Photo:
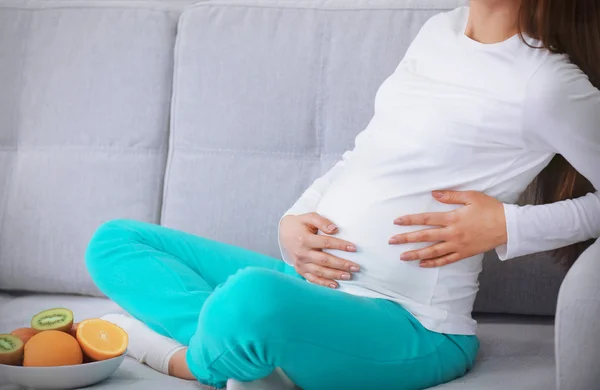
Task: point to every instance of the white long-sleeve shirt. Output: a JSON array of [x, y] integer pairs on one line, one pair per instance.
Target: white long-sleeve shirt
[[461, 115]]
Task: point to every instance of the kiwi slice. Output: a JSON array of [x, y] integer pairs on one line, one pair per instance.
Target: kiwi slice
[[11, 350], [53, 319]]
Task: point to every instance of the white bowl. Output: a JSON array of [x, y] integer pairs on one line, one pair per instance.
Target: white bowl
[[63, 377]]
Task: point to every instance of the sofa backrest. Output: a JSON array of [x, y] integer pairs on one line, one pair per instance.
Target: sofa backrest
[[266, 96], [85, 93], [269, 94]]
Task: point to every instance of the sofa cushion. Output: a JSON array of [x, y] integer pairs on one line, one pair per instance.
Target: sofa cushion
[[84, 108], [267, 96], [516, 352]]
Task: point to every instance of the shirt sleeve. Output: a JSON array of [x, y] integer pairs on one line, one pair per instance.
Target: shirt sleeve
[[561, 116], [533, 229]]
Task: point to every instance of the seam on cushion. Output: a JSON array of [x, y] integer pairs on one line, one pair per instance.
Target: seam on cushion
[[157, 6], [6, 193], [93, 148], [179, 36], [322, 129], [13, 166], [202, 150], [158, 209], [319, 100], [213, 4]]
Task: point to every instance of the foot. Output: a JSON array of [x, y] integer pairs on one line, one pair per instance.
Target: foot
[[145, 345]]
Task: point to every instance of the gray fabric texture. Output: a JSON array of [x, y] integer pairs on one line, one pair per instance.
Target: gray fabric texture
[[268, 95], [525, 285], [577, 329], [84, 108], [516, 352]]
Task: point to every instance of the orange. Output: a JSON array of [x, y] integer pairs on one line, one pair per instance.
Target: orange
[[73, 331], [101, 340], [24, 334], [52, 348]]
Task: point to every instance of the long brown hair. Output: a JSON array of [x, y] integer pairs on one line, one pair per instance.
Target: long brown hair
[[570, 27]]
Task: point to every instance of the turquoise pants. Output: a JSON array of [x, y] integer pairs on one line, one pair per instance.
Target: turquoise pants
[[242, 314]]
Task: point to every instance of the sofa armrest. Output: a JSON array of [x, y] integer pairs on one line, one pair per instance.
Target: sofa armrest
[[578, 324]]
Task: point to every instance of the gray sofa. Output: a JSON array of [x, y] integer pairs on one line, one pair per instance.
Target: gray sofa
[[212, 118]]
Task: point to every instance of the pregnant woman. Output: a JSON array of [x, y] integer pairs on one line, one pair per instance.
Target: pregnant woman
[[483, 101]]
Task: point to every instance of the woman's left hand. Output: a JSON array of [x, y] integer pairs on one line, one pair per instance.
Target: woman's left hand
[[476, 228]]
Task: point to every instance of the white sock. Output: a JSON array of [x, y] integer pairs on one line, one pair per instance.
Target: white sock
[[145, 345]]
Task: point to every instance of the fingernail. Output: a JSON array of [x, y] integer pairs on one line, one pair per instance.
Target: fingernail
[[405, 256], [332, 227], [424, 264], [437, 194], [346, 276], [399, 221], [354, 268], [333, 286], [393, 241], [351, 248]]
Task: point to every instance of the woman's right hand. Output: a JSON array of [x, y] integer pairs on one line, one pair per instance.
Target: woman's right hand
[[298, 236]]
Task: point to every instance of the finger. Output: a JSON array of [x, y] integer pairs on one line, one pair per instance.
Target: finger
[[441, 261], [333, 262], [327, 242], [426, 235], [319, 222], [431, 252], [327, 273], [455, 197], [320, 281], [427, 219]]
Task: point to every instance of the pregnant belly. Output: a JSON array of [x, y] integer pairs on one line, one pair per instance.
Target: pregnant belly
[[366, 218]]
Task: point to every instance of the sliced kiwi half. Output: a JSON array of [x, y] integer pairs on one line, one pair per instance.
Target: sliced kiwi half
[[11, 350], [53, 319]]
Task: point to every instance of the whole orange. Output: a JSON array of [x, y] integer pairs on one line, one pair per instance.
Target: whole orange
[[52, 348], [24, 334]]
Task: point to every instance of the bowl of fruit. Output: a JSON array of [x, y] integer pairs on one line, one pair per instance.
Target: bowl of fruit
[[56, 353]]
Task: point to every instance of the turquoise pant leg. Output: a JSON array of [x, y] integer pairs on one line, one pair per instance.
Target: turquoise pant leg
[[266, 316], [321, 338], [163, 276]]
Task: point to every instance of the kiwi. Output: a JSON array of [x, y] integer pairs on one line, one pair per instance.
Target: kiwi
[[11, 350], [53, 319]]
